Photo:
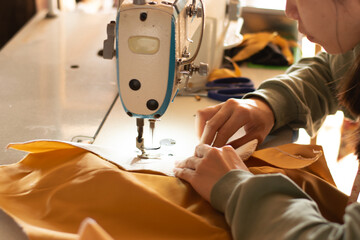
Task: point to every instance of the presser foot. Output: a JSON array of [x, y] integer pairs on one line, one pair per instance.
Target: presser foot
[[149, 155], [163, 151], [145, 152]]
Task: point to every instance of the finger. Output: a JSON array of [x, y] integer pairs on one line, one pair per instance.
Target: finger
[[191, 162], [201, 150], [234, 123], [212, 126], [231, 154], [203, 116], [185, 173]]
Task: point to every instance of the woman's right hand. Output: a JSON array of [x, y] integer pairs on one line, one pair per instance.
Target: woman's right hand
[[216, 124]]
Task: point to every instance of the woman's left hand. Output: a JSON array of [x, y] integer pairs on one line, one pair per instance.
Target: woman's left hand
[[207, 166]]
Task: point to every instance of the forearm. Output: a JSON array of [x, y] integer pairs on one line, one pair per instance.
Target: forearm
[[273, 207], [302, 97]]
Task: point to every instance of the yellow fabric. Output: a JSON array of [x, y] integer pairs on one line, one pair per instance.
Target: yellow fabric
[[218, 73], [306, 166], [57, 186], [51, 192], [255, 42], [91, 230]]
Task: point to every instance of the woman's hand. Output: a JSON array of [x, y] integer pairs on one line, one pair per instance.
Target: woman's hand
[[216, 124], [207, 166]]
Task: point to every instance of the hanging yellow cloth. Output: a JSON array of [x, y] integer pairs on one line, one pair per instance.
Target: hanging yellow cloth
[[57, 187]]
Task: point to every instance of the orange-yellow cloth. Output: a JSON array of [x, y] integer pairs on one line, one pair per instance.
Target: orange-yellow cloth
[[57, 186], [52, 191], [306, 166], [218, 73]]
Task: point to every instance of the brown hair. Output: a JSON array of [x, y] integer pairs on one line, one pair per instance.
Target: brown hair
[[349, 96]]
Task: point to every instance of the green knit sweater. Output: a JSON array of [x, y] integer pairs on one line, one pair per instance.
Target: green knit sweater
[[272, 206], [307, 92]]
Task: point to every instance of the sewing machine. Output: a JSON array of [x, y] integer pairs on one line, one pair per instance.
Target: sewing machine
[[158, 50]]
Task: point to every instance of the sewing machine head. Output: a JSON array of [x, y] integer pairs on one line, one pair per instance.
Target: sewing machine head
[[152, 53], [155, 51]]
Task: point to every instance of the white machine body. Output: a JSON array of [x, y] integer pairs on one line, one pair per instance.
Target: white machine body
[[148, 49], [145, 58]]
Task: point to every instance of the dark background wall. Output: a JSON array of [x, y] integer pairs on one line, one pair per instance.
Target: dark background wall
[[13, 15]]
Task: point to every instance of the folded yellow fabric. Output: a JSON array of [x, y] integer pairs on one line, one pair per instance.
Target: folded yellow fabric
[[306, 166], [57, 187]]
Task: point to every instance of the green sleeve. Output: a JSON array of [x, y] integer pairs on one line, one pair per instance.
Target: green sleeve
[[307, 92], [272, 207]]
